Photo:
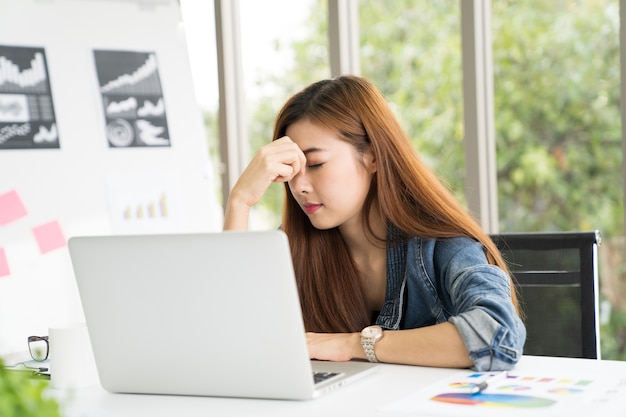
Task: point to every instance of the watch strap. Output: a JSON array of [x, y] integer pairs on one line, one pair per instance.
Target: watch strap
[[369, 336], [368, 348]]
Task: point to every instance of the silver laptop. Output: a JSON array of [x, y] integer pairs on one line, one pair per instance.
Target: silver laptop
[[213, 314]]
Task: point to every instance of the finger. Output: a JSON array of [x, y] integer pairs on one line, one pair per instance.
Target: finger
[[284, 173], [289, 163], [300, 164], [302, 161]]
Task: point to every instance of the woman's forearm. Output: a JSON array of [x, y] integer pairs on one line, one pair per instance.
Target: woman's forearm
[[236, 214], [439, 345]]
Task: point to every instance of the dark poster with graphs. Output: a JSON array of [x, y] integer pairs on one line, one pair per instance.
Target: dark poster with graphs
[[27, 119], [132, 99]]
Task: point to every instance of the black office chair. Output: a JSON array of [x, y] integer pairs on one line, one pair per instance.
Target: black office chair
[[557, 280]]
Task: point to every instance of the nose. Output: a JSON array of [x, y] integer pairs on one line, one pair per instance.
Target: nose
[[300, 183]]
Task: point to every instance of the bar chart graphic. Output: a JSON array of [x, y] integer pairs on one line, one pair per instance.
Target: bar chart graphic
[[144, 203], [151, 209], [27, 119], [133, 104]]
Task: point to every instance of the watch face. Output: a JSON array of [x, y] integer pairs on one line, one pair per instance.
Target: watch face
[[372, 331]]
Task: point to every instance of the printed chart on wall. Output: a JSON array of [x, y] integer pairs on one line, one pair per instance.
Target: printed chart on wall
[[518, 394], [144, 203], [27, 119], [132, 99]]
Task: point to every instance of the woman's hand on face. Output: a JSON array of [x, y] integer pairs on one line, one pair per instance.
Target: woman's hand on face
[[278, 161], [338, 347]]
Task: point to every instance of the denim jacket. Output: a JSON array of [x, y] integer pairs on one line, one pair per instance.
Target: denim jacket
[[431, 281]]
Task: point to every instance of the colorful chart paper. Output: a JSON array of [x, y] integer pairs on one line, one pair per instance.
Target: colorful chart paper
[[494, 400], [517, 394]]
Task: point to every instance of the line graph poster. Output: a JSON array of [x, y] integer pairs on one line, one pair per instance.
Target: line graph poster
[[27, 119], [132, 99]]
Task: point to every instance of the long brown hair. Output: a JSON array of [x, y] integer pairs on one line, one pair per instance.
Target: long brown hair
[[408, 194]]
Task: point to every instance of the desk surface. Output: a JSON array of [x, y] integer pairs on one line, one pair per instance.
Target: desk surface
[[372, 395]]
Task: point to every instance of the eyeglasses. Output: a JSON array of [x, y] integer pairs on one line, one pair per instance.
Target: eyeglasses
[[38, 347]]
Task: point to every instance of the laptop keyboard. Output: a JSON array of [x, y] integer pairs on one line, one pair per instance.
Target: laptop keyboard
[[319, 376]]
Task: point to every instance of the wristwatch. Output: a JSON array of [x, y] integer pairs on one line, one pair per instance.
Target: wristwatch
[[369, 336]]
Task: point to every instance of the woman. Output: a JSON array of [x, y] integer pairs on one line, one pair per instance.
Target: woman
[[376, 239]]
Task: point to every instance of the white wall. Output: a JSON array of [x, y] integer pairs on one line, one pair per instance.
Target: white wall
[[84, 185]]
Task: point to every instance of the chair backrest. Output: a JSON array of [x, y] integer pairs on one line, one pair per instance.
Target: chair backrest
[[557, 279]]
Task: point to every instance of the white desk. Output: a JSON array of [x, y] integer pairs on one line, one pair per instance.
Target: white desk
[[366, 397]]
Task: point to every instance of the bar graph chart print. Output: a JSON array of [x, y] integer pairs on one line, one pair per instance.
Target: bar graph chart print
[[144, 203], [27, 119], [132, 99]]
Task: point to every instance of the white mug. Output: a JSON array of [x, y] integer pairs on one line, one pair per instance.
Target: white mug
[[72, 364]]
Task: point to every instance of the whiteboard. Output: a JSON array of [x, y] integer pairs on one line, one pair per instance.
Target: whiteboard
[[80, 156]]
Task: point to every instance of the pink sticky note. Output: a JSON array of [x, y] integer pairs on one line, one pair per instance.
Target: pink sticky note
[[49, 236], [4, 264], [11, 207]]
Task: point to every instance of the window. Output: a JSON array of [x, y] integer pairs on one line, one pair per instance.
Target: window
[[411, 50], [559, 140], [199, 26], [556, 77], [282, 53]]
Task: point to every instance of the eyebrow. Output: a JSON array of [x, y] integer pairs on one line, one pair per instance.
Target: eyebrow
[[311, 150]]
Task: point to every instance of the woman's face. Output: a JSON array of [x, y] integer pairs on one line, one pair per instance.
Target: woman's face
[[336, 180]]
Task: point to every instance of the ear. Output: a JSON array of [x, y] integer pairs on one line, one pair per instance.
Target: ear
[[369, 160]]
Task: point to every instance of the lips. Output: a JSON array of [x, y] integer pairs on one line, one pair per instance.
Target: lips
[[310, 208]]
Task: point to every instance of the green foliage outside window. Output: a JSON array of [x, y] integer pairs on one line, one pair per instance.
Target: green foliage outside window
[[557, 92]]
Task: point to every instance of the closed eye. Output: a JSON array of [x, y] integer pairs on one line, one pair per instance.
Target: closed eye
[[315, 166]]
